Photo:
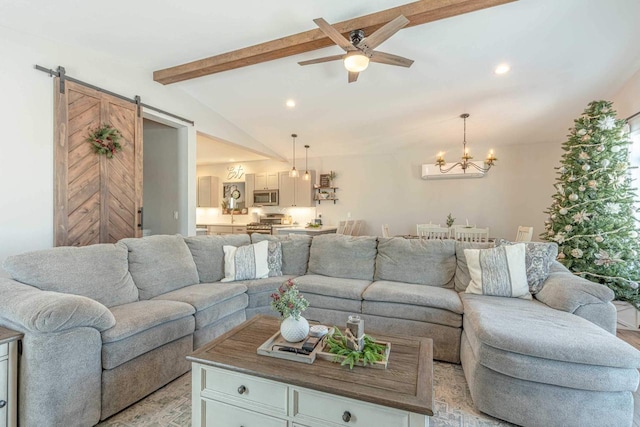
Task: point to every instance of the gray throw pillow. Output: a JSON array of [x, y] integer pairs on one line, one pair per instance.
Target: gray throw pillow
[[538, 258]]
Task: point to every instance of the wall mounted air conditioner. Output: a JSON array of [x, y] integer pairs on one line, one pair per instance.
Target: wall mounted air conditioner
[[433, 172]]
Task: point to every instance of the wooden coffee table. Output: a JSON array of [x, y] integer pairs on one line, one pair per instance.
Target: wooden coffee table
[[233, 385]]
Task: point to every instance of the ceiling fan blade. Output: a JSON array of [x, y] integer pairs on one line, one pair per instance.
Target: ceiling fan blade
[[321, 60], [379, 36], [353, 76], [334, 35], [390, 59]]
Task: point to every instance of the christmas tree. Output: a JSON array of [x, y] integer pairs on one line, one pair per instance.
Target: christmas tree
[[592, 216]]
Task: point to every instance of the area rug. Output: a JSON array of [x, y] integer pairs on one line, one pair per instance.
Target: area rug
[[171, 405]]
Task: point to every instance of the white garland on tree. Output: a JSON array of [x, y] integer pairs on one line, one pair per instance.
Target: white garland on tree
[[592, 215]]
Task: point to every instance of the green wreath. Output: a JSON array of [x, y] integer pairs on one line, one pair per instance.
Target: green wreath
[[105, 140]]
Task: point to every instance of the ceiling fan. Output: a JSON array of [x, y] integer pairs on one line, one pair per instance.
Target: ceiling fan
[[360, 49]]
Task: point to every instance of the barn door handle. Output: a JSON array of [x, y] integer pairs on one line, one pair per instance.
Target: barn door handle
[[141, 220]]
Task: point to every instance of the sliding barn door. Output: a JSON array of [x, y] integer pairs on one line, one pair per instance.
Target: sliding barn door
[[97, 200]]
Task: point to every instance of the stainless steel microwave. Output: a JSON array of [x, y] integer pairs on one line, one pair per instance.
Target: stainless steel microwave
[[265, 198]]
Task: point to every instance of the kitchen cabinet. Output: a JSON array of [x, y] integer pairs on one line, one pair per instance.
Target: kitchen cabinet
[[222, 229], [208, 192], [249, 186], [296, 192], [266, 181]]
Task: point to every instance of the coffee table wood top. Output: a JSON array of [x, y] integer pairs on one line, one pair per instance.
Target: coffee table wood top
[[7, 335], [406, 384]]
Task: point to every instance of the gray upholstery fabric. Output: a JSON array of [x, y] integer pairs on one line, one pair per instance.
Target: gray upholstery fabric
[[204, 295], [568, 292], [462, 277], [270, 284], [333, 303], [262, 299], [332, 286], [412, 312], [160, 264], [208, 333], [533, 329], [347, 257], [557, 267], [295, 251], [208, 254], [30, 309], [406, 293], [530, 403], [212, 314], [118, 352], [99, 272], [425, 262], [135, 379], [59, 381], [603, 315], [251, 312], [547, 371], [139, 316]]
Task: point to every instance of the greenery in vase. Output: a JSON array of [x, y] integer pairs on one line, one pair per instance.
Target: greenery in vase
[[370, 354], [288, 301], [592, 216], [450, 220]]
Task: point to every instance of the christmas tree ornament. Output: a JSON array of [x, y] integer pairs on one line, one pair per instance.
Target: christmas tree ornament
[[595, 221]]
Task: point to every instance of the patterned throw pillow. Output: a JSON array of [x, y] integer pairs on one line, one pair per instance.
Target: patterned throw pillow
[[498, 271], [538, 257], [274, 259], [246, 262]]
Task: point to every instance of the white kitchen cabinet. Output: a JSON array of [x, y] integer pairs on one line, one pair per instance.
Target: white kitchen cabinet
[[266, 181], [287, 190], [221, 229], [296, 192], [208, 192], [249, 187]]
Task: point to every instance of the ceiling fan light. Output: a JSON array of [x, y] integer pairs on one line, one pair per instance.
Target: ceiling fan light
[[356, 62]]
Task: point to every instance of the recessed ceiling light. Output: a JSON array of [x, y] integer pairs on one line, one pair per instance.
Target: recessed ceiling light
[[502, 69], [290, 103]]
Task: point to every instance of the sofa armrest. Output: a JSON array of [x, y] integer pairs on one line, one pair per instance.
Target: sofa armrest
[[29, 309], [567, 292]]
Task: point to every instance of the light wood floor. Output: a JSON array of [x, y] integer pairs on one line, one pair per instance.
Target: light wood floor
[[633, 338]]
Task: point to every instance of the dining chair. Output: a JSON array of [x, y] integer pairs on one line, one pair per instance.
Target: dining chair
[[432, 233], [348, 227], [524, 234], [421, 227], [454, 227], [472, 234], [357, 227], [341, 225], [385, 230]]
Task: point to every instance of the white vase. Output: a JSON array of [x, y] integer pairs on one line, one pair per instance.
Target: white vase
[[294, 330]]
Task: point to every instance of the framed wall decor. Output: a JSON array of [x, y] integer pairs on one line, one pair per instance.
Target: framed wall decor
[[325, 180]]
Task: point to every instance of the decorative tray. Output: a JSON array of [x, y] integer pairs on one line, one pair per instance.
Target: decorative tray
[[272, 346], [332, 357]]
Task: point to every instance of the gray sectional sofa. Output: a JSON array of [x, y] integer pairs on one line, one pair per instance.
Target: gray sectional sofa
[[105, 325]]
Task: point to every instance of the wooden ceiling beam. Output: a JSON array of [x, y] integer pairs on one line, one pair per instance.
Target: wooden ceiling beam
[[418, 13]]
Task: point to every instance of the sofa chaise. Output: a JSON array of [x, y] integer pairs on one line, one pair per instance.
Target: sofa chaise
[[107, 324]]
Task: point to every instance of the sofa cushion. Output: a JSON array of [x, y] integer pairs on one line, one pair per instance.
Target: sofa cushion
[[246, 262], [228, 307], [270, 284], [411, 294], [295, 251], [160, 264], [533, 329], [538, 258], [462, 277], [498, 271], [144, 326], [99, 272], [208, 254], [420, 261], [332, 286], [420, 313], [348, 257], [204, 295]]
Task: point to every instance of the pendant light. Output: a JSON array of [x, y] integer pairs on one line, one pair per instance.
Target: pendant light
[[307, 175], [293, 173]]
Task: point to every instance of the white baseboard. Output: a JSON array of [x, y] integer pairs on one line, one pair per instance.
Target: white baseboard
[[628, 316]]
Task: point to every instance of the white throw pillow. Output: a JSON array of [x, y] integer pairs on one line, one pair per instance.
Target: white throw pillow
[[246, 262], [498, 271]]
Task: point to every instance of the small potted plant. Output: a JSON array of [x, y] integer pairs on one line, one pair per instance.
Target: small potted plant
[[450, 220], [290, 304]]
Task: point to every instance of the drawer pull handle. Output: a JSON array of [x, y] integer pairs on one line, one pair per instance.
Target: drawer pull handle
[[346, 417], [242, 389], [3, 403]]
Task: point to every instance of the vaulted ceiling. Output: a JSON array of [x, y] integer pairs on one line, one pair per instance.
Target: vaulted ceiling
[[562, 53]]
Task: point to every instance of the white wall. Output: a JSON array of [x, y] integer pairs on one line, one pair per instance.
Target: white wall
[[163, 194], [627, 101], [26, 112]]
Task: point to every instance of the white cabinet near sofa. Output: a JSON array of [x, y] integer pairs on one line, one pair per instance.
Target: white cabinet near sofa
[[8, 377]]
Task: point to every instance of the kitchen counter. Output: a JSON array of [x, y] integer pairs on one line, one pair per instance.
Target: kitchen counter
[[325, 229]]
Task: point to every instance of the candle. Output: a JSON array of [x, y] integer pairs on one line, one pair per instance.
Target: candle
[[467, 222]]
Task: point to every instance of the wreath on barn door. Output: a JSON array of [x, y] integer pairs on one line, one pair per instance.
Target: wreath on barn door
[[105, 140]]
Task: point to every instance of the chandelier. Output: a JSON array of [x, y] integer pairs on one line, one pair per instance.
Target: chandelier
[[466, 162]]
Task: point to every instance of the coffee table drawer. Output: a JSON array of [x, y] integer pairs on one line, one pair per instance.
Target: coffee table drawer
[[244, 390], [218, 414], [4, 349], [310, 407]]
